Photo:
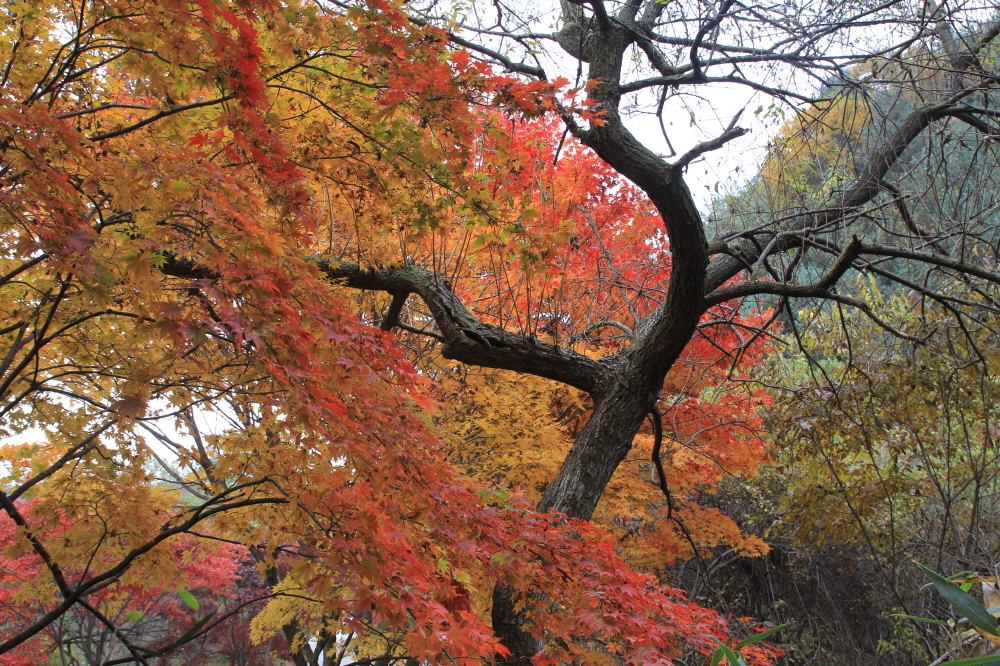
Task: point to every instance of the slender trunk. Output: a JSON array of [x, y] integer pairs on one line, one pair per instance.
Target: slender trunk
[[635, 375], [598, 450], [605, 441]]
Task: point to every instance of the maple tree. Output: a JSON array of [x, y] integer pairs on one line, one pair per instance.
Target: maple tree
[[858, 222], [514, 430], [179, 365], [206, 577]]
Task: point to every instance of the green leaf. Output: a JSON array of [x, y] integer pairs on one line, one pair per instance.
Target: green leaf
[[503, 557], [188, 598], [963, 602], [921, 619], [759, 637], [991, 659], [135, 616], [734, 658]]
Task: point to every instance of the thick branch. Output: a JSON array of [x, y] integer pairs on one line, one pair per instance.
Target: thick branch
[[391, 318], [819, 288], [853, 250], [706, 28], [466, 338], [869, 182]]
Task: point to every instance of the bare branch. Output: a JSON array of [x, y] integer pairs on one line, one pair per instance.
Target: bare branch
[[708, 146], [819, 288]]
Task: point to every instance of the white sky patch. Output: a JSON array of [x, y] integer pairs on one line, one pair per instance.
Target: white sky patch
[[695, 113]]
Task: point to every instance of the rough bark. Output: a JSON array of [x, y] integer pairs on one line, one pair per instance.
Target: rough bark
[[637, 374], [468, 339], [508, 626]]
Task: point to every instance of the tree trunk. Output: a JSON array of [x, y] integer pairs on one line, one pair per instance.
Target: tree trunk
[[508, 625], [635, 375], [598, 450]]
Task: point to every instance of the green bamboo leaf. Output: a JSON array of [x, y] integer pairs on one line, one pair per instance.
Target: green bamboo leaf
[[759, 637], [963, 602], [991, 659], [734, 658], [920, 619]]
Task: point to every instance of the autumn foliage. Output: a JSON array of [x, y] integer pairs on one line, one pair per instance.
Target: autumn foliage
[[134, 607], [582, 262], [178, 371]]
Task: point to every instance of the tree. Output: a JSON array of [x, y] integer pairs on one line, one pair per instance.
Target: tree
[[893, 458], [514, 430], [689, 46], [207, 576], [179, 366], [844, 517]]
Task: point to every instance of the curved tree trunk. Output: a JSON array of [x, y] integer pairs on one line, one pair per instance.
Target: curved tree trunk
[[637, 374], [626, 385]]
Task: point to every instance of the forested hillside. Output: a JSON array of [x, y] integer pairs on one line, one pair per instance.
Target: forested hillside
[[883, 424]]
